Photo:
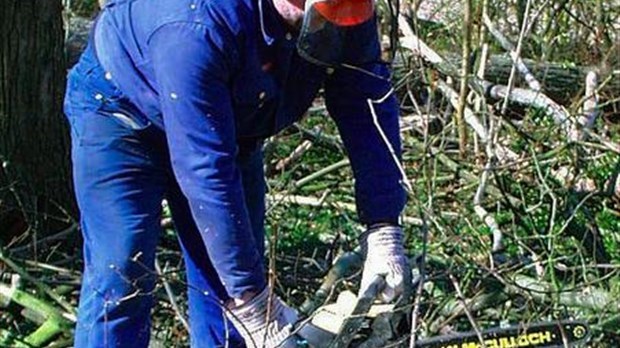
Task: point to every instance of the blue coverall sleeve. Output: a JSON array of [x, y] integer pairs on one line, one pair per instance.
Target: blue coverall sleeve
[[192, 65], [379, 194]]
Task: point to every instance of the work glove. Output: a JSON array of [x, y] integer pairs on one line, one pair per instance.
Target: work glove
[[258, 331], [382, 245]]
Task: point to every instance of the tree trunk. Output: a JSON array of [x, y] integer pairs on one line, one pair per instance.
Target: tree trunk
[[34, 146]]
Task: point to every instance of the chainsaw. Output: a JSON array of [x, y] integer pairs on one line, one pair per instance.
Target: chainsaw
[[336, 325]]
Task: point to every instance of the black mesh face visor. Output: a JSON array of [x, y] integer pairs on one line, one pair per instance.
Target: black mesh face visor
[[336, 32]]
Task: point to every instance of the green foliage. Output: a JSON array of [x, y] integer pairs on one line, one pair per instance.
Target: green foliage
[[602, 168], [303, 230], [608, 221]]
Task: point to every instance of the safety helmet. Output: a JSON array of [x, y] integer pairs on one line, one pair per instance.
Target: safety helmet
[[334, 32]]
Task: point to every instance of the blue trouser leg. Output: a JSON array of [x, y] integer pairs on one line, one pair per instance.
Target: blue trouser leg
[[120, 181], [119, 187]]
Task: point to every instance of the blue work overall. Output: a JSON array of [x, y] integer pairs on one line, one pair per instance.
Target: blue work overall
[[172, 99]]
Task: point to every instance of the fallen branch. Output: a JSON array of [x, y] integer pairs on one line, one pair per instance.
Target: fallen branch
[[488, 219], [412, 42], [461, 300], [591, 298], [43, 242], [40, 285], [529, 98], [517, 95], [54, 322], [278, 198]]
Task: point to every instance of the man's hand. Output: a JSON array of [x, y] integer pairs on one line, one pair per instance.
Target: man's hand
[[260, 331], [385, 256]]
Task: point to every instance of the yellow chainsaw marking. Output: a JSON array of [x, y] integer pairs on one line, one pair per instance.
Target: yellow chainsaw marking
[[519, 341]]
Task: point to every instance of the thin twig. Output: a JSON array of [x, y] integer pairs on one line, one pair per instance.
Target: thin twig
[[465, 65], [461, 299], [320, 173], [171, 296], [478, 208], [388, 144], [516, 55], [516, 58], [418, 296]]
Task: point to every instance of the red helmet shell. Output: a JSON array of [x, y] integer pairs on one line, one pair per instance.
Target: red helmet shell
[[345, 12]]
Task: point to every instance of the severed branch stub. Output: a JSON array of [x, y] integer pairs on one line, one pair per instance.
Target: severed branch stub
[[590, 110]]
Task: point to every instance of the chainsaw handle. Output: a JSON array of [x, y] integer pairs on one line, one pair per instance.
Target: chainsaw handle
[[351, 326]]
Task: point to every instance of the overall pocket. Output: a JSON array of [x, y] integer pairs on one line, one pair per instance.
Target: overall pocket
[[96, 109]]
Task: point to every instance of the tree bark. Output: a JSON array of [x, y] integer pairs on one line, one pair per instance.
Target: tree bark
[[34, 144]]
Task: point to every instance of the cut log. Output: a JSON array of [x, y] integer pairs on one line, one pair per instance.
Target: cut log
[[563, 83]]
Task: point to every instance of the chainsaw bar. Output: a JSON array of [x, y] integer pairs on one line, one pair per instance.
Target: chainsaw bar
[[539, 335]]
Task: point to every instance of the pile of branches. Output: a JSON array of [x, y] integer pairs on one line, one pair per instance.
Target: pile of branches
[[512, 170]]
